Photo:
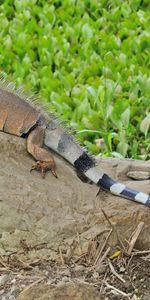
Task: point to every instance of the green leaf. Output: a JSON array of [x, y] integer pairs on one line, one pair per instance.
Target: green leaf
[[122, 148], [90, 60], [145, 124], [125, 117], [87, 31]]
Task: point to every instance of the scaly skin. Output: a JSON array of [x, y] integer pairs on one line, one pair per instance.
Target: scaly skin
[[20, 117]]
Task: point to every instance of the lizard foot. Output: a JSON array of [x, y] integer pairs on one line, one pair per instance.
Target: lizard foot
[[43, 167]]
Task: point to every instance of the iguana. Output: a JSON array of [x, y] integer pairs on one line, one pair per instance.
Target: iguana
[[19, 115]]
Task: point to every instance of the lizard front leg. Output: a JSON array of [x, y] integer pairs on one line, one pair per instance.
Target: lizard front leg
[[45, 161]]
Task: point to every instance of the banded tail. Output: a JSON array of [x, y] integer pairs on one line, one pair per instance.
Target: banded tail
[[64, 144]]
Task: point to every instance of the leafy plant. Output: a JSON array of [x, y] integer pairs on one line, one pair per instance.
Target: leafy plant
[[90, 61]]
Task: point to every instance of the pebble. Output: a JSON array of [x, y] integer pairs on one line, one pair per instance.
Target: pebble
[[2, 291], [79, 268], [122, 269], [3, 279], [11, 297], [138, 175], [65, 279], [95, 275], [101, 269], [65, 272], [13, 280]]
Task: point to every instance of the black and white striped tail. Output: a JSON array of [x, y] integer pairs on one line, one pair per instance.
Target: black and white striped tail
[[64, 144], [86, 165]]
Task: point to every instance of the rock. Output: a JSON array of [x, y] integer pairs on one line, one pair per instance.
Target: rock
[[3, 279], [60, 221], [69, 291], [65, 279], [79, 268], [95, 275], [37, 216], [138, 175]]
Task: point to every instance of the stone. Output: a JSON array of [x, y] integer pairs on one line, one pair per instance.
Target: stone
[[48, 213], [68, 291]]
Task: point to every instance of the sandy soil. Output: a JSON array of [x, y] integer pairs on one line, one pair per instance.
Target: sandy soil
[[59, 241]]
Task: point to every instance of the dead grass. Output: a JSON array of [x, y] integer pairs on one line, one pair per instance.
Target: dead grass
[[121, 274]]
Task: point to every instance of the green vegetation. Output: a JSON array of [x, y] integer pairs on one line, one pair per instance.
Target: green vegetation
[[90, 60]]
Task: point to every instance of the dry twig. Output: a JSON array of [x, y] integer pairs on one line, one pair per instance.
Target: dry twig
[[103, 257], [114, 272], [134, 237], [114, 229], [116, 290], [31, 285], [61, 256], [99, 252]]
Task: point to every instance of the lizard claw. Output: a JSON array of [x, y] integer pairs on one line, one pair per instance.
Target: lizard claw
[[98, 192], [54, 173], [43, 167]]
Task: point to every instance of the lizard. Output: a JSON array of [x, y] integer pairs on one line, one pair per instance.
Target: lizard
[[21, 116]]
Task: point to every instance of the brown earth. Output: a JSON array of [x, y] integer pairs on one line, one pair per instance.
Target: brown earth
[[55, 231]]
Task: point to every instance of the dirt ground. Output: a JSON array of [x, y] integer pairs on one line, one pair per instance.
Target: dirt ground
[[59, 241]]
